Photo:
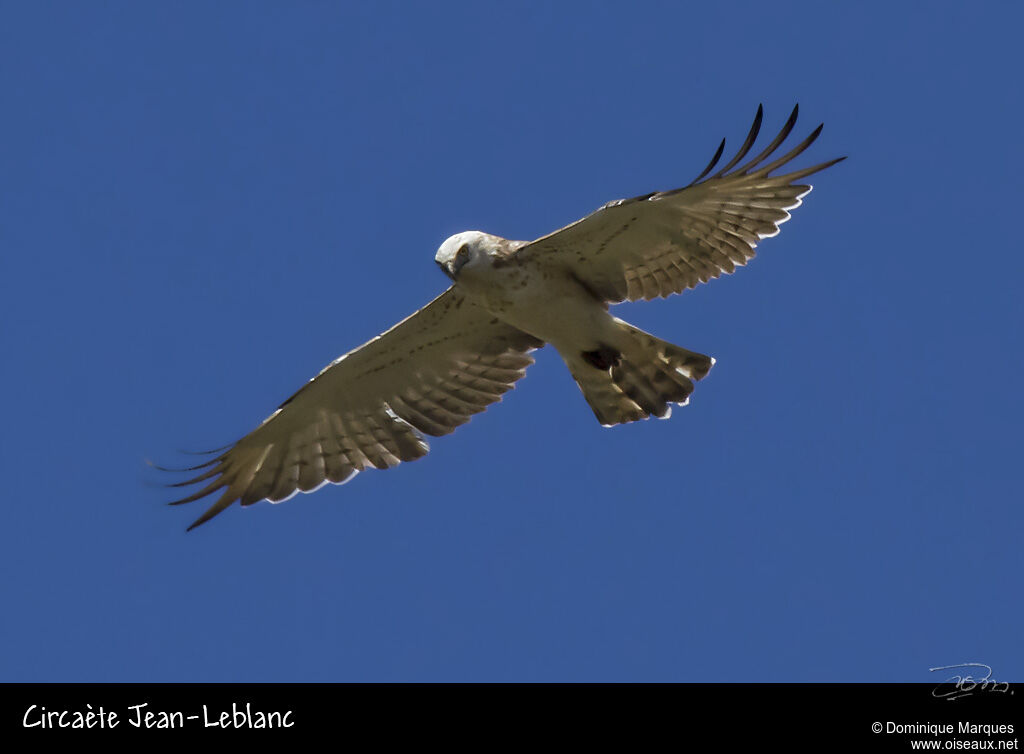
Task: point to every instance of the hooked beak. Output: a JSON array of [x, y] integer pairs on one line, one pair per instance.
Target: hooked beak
[[446, 271]]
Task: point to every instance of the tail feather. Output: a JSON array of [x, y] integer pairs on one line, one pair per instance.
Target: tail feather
[[638, 380]]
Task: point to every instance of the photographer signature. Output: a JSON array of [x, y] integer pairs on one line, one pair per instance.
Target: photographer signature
[[958, 686]]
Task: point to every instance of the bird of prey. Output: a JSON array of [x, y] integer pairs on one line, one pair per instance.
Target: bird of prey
[[457, 355]]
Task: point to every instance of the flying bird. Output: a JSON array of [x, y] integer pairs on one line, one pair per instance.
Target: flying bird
[[457, 355]]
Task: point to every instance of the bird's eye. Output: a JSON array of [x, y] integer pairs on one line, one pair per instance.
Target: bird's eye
[[463, 251]]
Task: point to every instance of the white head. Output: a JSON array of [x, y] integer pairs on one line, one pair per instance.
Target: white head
[[469, 249]]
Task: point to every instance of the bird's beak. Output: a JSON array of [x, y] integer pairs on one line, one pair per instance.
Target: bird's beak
[[445, 269]]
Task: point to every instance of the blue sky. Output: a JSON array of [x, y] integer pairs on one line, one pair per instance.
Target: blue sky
[[203, 204]]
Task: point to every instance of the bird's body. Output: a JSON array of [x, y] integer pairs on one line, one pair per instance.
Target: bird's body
[[429, 373], [624, 373], [555, 308]]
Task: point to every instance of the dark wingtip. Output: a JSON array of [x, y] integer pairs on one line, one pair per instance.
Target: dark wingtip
[[714, 161], [222, 504], [765, 170], [830, 163], [206, 452], [755, 129], [212, 487], [189, 499], [798, 174], [781, 137], [179, 469]]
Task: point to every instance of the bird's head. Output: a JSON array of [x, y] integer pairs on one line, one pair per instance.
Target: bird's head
[[467, 250]]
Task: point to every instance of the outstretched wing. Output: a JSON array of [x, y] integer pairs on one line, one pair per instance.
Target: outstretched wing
[[665, 242], [428, 374]]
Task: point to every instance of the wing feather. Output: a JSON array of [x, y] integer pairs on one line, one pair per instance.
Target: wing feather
[[662, 243], [755, 129], [371, 408]]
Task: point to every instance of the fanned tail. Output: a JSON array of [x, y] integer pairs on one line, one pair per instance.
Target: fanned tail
[[639, 380]]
